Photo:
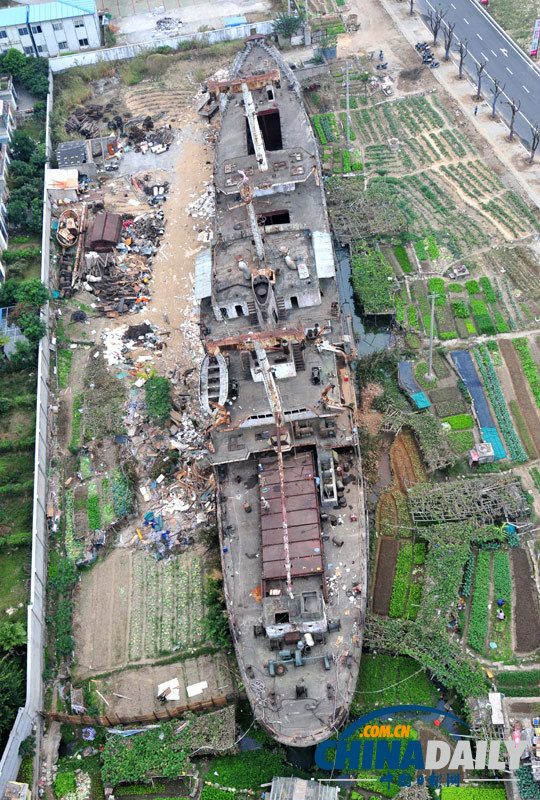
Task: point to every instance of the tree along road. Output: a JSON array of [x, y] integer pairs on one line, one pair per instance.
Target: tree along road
[[504, 60]]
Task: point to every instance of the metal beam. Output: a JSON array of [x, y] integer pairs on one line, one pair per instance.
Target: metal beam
[[254, 127]]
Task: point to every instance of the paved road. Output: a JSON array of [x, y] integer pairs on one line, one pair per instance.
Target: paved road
[[504, 59]]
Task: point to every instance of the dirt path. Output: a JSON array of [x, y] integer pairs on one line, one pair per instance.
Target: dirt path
[[173, 305]]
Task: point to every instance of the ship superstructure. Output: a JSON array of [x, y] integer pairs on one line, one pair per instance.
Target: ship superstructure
[[276, 377]]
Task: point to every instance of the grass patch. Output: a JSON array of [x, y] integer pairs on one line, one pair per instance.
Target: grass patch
[[459, 421]]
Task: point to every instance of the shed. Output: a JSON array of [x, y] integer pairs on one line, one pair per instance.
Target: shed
[[106, 231], [62, 184], [70, 153], [299, 789]]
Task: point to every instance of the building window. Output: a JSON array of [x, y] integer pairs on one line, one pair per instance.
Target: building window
[[28, 50], [36, 28], [83, 42], [41, 48], [23, 31], [62, 45], [79, 23], [57, 26], [3, 35]]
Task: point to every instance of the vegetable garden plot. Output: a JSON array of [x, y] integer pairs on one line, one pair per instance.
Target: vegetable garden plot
[[384, 575], [527, 407], [167, 603], [527, 615]]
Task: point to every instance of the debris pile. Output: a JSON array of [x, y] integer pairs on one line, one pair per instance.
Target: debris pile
[[176, 488], [143, 137], [204, 207], [82, 121], [167, 25], [119, 279]]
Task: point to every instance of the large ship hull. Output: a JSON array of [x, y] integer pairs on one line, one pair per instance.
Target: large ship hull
[[292, 527]]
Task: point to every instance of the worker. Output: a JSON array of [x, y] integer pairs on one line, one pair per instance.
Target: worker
[[500, 614]]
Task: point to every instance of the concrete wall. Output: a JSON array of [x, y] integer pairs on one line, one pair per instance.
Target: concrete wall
[[28, 716], [62, 63]]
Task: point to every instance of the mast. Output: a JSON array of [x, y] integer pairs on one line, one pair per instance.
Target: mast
[[274, 398], [256, 135]]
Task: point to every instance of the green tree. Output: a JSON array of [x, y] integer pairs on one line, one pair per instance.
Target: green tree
[[8, 293], [23, 357], [11, 692], [19, 173], [13, 62], [32, 292], [38, 158], [286, 25], [12, 634], [22, 146], [36, 215], [17, 213]]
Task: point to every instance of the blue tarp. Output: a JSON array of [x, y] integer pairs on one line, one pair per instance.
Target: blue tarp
[[421, 400], [491, 435], [409, 385], [465, 366], [231, 22]]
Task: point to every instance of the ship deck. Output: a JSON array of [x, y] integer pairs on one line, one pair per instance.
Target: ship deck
[[308, 720]]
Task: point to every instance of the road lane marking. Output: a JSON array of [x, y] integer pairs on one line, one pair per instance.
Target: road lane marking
[[453, 6], [509, 70], [484, 56], [479, 37], [527, 90], [494, 53], [504, 51], [465, 20]]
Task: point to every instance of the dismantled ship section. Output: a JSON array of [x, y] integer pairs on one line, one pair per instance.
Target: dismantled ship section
[[277, 381]]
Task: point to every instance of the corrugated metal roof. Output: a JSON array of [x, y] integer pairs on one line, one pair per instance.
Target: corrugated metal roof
[[495, 700], [324, 254], [13, 16], [203, 274], [42, 12]]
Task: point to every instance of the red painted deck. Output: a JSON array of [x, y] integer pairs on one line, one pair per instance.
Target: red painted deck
[[303, 522]]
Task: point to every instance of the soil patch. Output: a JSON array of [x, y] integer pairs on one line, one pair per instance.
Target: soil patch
[[527, 619], [526, 405], [384, 575]]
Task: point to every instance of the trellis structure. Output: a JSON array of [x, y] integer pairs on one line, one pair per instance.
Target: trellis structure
[[484, 499]]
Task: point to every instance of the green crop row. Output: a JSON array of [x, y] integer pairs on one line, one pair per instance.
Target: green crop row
[[413, 601], [402, 256], [473, 287], [401, 581], [459, 421], [488, 290], [461, 441], [478, 619], [529, 367], [436, 286], [468, 572], [502, 580], [412, 318], [459, 309], [484, 323]]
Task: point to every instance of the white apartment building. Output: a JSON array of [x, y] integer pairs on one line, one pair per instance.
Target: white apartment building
[[50, 29]]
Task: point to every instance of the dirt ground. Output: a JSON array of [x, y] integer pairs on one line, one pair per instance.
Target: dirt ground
[[384, 575], [527, 615]]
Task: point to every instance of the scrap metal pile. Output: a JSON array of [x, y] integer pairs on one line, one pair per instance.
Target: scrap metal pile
[[119, 279]]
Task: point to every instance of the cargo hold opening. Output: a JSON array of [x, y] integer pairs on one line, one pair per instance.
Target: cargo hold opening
[[270, 125]]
